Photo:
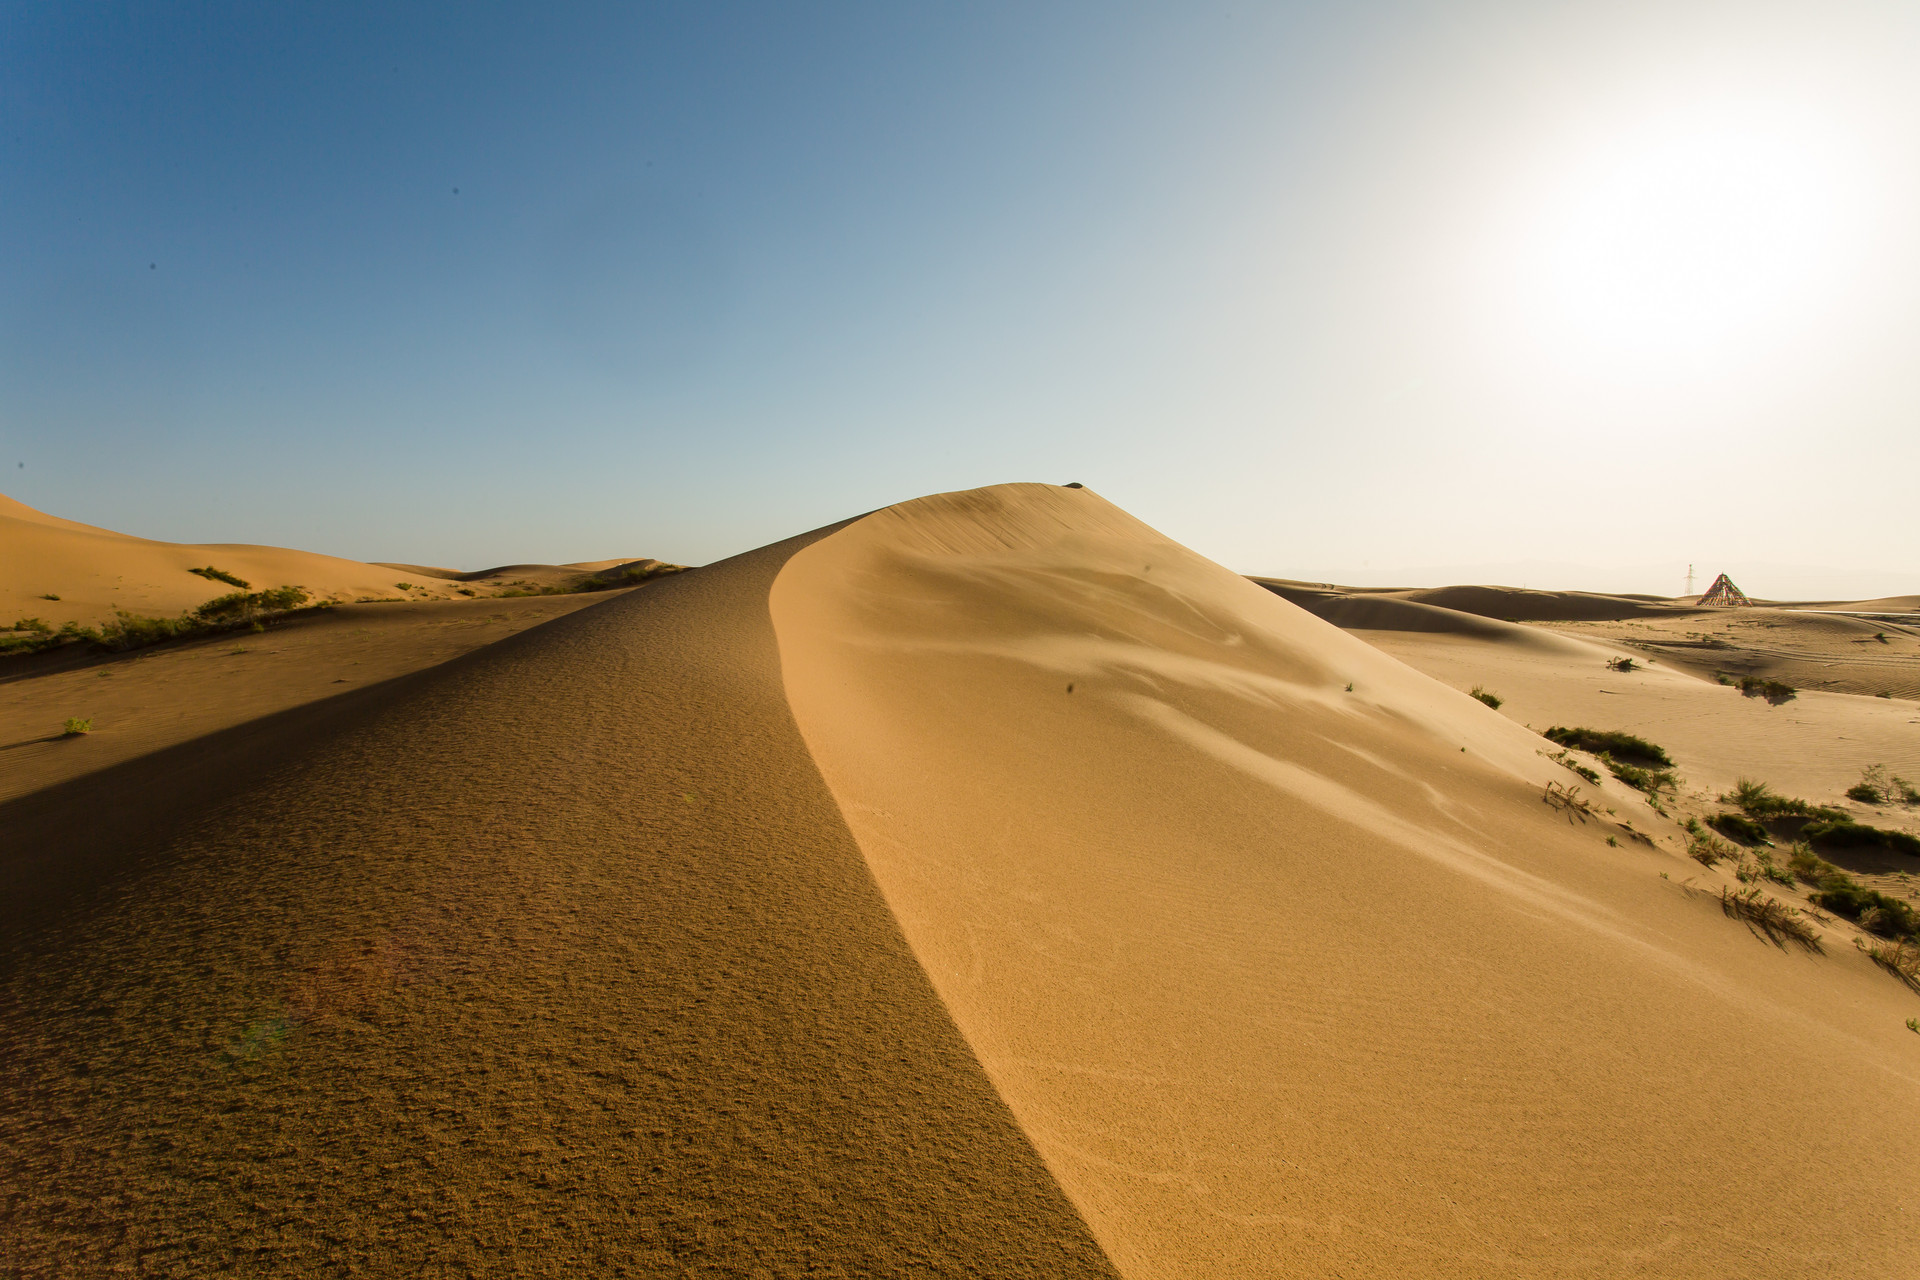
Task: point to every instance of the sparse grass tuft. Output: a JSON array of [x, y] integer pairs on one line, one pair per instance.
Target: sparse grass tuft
[[1569, 801], [212, 574], [1487, 696], [1622, 664], [1704, 847], [1902, 960], [49, 596], [75, 726], [1768, 915], [1622, 746], [1564, 758]]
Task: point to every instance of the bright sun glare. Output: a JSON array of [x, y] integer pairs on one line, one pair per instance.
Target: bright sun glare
[[1687, 242]]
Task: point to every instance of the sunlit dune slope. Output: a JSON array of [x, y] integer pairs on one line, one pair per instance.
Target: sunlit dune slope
[[556, 959], [97, 571], [1290, 979]]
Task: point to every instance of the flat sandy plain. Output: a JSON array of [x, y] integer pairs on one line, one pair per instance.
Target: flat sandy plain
[[985, 886]]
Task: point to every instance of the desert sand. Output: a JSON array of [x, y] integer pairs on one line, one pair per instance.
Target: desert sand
[[63, 571], [985, 886]]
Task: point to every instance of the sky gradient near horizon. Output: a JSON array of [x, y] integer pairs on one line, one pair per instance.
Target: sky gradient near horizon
[[1374, 291]]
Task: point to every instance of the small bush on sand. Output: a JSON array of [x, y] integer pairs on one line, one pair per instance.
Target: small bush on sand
[[1487, 696], [212, 574], [1651, 781], [1872, 787], [1768, 915], [1622, 664], [1772, 690], [75, 726], [1621, 746], [1740, 827]]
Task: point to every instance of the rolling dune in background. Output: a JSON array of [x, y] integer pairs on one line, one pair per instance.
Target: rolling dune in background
[[1280, 980], [93, 572]]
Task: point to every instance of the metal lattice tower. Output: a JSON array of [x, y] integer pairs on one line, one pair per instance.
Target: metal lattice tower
[[1725, 595]]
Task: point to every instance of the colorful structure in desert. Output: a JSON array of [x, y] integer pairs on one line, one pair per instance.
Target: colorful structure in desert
[[1723, 594]]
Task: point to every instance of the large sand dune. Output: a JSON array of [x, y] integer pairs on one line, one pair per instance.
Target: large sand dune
[[987, 886], [1280, 979], [554, 960]]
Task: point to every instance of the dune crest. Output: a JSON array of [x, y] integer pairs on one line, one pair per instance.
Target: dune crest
[[1279, 979]]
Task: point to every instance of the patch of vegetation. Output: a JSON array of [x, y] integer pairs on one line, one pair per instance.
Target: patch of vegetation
[[1768, 915], [1876, 786], [1772, 690], [1487, 696], [136, 631], [1651, 781], [1569, 801], [1740, 827], [1758, 800], [1902, 960], [75, 726], [1704, 847], [49, 596], [1621, 746], [1841, 894], [630, 576], [1844, 833], [1622, 664], [1565, 759], [212, 574]]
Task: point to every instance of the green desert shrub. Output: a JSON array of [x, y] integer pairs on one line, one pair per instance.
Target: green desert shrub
[[1621, 746], [212, 574], [1772, 690], [1844, 833], [75, 726], [1488, 696], [1739, 826]]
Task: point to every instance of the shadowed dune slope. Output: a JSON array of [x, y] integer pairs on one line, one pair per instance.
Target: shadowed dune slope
[[557, 959], [1279, 978]]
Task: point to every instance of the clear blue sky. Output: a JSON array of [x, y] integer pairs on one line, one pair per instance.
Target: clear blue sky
[[1319, 289]]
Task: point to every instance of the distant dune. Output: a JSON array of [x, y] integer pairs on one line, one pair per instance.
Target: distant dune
[[986, 886], [94, 572]]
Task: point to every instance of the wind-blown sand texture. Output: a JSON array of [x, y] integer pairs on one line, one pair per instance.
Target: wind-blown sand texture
[[555, 960], [988, 886], [1283, 982]]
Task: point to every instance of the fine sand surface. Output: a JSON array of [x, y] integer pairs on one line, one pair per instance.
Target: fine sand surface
[[1280, 980], [95, 572], [556, 959], [150, 699], [985, 887]]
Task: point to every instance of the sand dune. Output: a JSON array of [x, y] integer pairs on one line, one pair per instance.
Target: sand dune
[[1280, 979], [988, 886], [94, 572], [554, 960]]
